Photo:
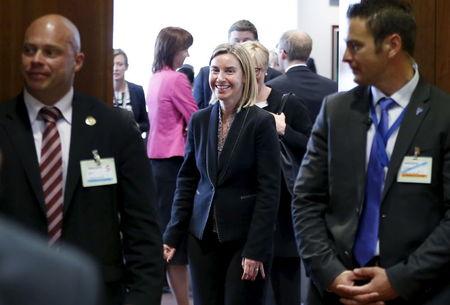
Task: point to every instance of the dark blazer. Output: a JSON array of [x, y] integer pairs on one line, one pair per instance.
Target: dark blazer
[[310, 87], [311, 64], [415, 218], [202, 91], [241, 188], [127, 248], [137, 100], [298, 127], [31, 273]]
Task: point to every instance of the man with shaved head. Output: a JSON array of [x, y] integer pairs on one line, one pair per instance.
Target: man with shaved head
[[294, 48], [76, 170]]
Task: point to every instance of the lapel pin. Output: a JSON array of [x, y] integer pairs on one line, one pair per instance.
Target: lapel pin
[[90, 120], [419, 110]]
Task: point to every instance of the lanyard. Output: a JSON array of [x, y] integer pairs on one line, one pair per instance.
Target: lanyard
[[382, 141], [394, 126]]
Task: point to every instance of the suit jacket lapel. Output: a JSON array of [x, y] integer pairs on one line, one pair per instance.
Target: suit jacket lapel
[[80, 137], [211, 149], [231, 142], [17, 125], [407, 132], [133, 99]]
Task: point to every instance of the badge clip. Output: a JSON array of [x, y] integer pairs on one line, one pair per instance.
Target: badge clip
[[96, 157], [416, 152]]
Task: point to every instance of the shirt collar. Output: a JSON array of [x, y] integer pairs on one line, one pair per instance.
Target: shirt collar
[[295, 65], [261, 104], [64, 105], [403, 95]]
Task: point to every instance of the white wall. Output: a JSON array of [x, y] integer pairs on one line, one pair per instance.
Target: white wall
[[316, 17], [137, 23], [345, 73]]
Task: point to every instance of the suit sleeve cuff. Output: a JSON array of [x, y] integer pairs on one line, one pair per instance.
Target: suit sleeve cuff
[[401, 280]]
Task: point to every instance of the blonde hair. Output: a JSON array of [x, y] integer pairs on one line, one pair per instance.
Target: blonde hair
[[248, 72], [258, 53]]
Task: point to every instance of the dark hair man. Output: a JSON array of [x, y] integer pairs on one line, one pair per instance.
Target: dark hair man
[[371, 211]]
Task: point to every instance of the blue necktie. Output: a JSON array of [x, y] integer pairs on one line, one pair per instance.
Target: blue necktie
[[367, 236]]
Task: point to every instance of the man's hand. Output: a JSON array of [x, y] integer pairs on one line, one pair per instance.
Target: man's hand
[[376, 291], [346, 278], [280, 122]]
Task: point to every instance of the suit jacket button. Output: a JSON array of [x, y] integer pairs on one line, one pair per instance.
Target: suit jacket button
[[383, 215], [347, 253]]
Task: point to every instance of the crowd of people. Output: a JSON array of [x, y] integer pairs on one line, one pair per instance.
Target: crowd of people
[[233, 181]]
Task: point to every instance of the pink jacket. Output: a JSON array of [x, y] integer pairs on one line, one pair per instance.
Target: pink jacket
[[170, 105]]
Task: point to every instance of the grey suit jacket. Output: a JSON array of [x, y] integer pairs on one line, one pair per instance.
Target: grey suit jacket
[[31, 273], [415, 218]]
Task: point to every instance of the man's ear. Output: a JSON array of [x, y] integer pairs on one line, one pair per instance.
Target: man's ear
[[283, 54], [79, 60], [393, 44]]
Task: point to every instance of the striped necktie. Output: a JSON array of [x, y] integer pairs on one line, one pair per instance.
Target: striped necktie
[[52, 173]]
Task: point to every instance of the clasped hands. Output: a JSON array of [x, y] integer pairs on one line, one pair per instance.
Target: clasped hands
[[376, 290]]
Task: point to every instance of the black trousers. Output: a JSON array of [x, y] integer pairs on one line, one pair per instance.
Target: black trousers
[[113, 293], [285, 277], [165, 173], [216, 272]]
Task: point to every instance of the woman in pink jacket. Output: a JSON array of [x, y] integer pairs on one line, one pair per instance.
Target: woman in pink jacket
[[170, 103]]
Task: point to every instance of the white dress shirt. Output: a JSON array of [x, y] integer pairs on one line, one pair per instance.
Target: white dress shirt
[[64, 125], [401, 98], [295, 65]]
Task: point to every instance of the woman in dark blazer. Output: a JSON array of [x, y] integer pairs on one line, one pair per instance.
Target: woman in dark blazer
[[228, 188], [293, 127], [127, 95]]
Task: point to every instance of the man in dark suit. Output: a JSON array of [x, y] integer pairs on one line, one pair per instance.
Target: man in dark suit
[[76, 171], [294, 49], [240, 31], [31, 273], [371, 212]]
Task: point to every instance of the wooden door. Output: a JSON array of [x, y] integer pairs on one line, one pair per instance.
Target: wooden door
[[433, 41], [94, 19], [443, 44]]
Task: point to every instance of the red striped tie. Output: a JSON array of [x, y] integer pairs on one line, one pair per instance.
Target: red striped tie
[[52, 173]]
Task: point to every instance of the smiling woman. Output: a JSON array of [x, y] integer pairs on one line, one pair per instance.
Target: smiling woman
[[228, 188], [232, 78]]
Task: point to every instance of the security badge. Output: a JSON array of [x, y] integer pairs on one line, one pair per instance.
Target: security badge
[[98, 171], [415, 169]]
